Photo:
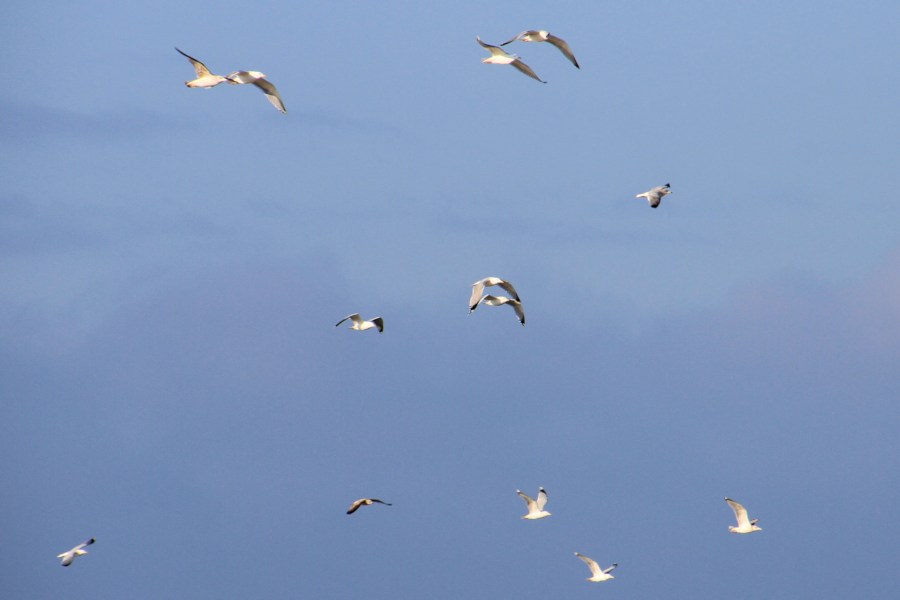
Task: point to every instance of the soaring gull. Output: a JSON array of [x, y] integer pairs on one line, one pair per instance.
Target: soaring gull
[[542, 36], [259, 80], [68, 557], [500, 57], [364, 502], [204, 79], [535, 509], [478, 289], [361, 325], [655, 195], [598, 573], [745, 525], [500, 301]]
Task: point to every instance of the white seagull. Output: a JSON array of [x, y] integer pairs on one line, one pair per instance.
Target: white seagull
[[500, 301], [68, 557], [542, 36], [478, 289], [500, 57], [365, 502], [361, 325], [535, 509], [205, 79], [259, 80], [655, 195], [599, 574], [745, 525]]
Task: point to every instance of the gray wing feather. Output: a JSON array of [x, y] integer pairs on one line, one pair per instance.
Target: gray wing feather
[[526, 69], [379, 323], [271, 93], [201, 69], [563, 47], [509, 289]]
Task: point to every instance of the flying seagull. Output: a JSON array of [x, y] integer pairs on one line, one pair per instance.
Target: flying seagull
[[365, 502], [599, 574], [655, 195], [361, 325], [535, 509], [744, 524], [500, 301], [500, 57], [68, 557], [478, 289], [543, 36], [259, 80], [204, 79]]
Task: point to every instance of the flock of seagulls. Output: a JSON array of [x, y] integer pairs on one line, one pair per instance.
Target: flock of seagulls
[[206, 79]]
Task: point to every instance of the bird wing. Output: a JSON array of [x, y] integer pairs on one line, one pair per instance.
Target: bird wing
[[654, 199], [541, 499], [595, 568], [87, 543], [532, 505], [201, 69], [563, 47], [495, 50], [475, 298], [518, 37], [356, 319], [240, 77], [381, 502], [68, 557], [525, 69], [611, 568], [509, 289], [519, 311], [357, 504], [740, 512], [271, 93], [379, 323]]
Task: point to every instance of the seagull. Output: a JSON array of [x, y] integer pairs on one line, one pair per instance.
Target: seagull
[[68, 557], [535, 509], [361, 325], [478, 288], [543, 36], [500, 301], [204, 79], [365, 502], [259, 80], [655, 195], [500, 57], [599, 574], [744, 524]]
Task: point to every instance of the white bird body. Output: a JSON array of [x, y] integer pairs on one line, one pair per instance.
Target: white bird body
[[478, 289], [259, 80], [365, 502], [500, 301], [535, 508], [68, 557], [205, 79], [360, 325], [745, 525], [500, 57], [542, 36], [598, 574], [655, 195]]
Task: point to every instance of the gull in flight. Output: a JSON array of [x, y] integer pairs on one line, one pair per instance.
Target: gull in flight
[[744, 524], [365, 502], [543, 36], [205, 79], [68, 557], [500, 57], [361, 325], [535, 509], [500, 301], [259, 80], [599, 574], [478, 288], [655, 195]]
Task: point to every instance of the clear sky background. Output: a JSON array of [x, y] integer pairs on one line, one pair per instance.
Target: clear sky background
[[173, 260]]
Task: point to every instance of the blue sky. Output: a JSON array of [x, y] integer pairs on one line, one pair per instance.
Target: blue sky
[[172, 262]]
